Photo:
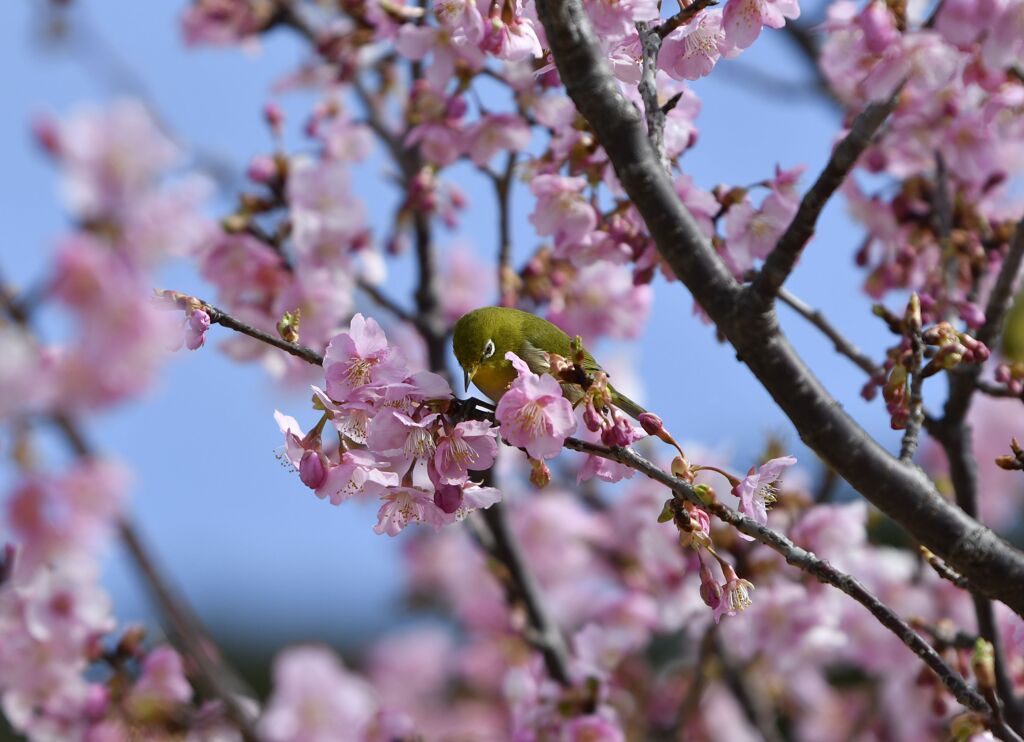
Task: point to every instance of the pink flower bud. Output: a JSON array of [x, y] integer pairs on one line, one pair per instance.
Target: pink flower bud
[[448, 497], [590, 417], [540, 474], [312, 469], [710, 590], [274, 116], [972, 315], [195, 330], [262, 169], [651, 423], [44, 129]]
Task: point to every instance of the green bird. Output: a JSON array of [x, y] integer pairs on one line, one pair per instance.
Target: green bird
[[483, 337]]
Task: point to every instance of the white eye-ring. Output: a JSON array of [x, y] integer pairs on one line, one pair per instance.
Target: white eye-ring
[[489, 349]]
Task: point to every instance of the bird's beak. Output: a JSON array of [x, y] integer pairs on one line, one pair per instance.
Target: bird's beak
[[468, 374]]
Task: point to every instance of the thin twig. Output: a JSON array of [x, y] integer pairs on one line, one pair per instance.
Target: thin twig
[[220, 317], [842, 345], [684, 16], [997, 390], [943, 570], [802, 559], [386, 302], [783, 257]]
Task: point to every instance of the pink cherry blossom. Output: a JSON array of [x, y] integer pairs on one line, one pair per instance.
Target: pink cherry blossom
[[743, 19], [221, 22], [512, 40], [468, 283], [752, 233], [361, 357], [469, 445], [692, 50], [757, 489], [533, 413], [402, 439], [315, 699], [496, 133], [326, 217], [401, 506], [162, 683], [735, 595], [196, 325], [110, 157], [601, 300], [357, 473], [561, 210]]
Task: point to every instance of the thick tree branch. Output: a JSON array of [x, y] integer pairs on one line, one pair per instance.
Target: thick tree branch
[[902, 492], [783, 257]]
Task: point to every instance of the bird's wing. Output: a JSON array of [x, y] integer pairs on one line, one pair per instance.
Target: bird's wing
[[535, 358]]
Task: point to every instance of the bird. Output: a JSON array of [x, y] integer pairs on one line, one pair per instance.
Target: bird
[[482, 337]]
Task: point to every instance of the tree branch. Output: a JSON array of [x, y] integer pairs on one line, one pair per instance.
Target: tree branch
[[842, 345], [184, 630], [783, 257], [222, 318], [953, 432], [800, 558], [499, 541], [650, 45], [386, 302], [902, 492]]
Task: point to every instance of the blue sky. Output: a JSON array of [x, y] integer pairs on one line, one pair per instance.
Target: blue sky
[[262, 558]]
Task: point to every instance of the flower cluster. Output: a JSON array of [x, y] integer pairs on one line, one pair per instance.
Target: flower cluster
[[391, 438]]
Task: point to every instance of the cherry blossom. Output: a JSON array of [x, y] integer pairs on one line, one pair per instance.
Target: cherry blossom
[[533, 413]]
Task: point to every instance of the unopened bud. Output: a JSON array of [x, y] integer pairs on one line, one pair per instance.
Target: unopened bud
[[448, 497], [540, 474], [262, 169], [710, 590], [273, 114], [913, 314], [1007, 462], [288, 325], [312, 469], [651, 423], [983, 664], [131, 641], [668, 511], [47, 135], [681, 469]]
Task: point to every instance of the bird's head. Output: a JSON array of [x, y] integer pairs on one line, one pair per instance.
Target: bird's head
[[480, 338]]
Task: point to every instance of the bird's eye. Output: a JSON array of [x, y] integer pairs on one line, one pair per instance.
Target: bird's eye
[[489, 349]]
